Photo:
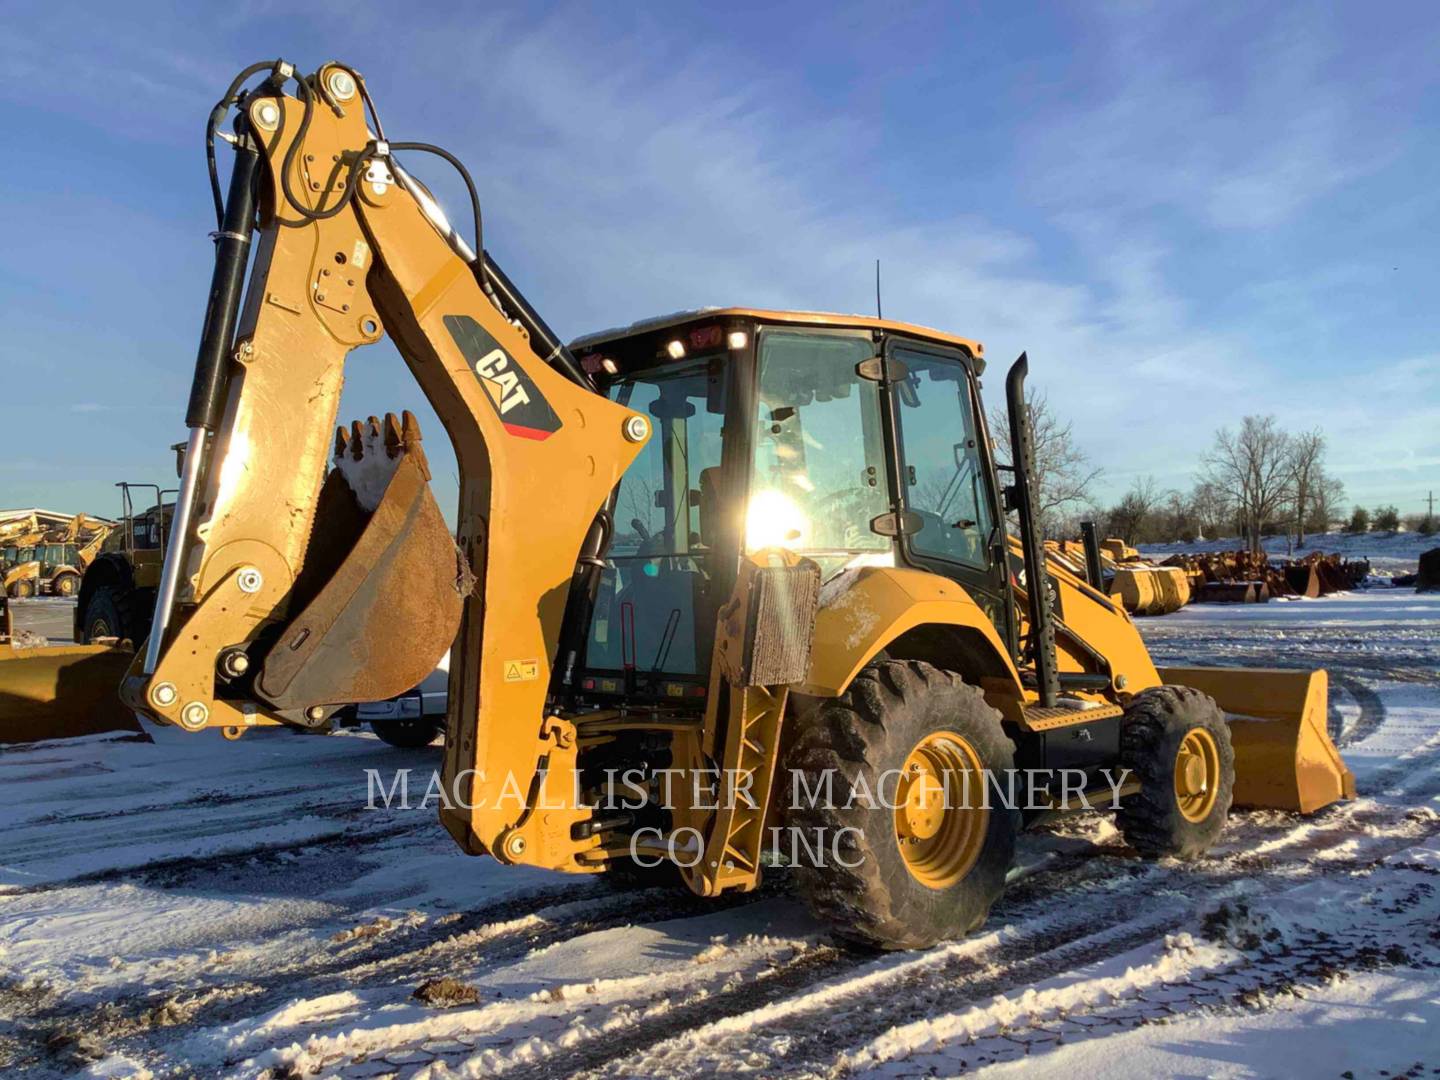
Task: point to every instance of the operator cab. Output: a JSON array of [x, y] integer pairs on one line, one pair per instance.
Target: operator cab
[[852, 441]]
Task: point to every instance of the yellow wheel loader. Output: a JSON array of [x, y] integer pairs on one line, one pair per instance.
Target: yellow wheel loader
[[728, 588]]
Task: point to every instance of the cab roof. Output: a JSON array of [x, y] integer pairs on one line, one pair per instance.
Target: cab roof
[[798, 318]]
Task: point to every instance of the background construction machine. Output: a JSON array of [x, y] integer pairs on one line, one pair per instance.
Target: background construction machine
[[771, 552], [52, 559], [116, 597]]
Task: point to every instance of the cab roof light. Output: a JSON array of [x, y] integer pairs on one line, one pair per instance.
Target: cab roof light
[[676, 349], [706, 337]]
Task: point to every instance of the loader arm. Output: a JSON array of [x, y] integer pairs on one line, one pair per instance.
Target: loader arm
[[266, 616]]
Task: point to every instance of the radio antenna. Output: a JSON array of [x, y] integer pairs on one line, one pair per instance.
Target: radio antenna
[[878, 315]]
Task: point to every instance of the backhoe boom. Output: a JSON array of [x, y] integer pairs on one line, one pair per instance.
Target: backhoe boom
[[292, 592]]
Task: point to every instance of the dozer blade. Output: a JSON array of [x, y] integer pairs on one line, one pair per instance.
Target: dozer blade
[[381, 591], [57, 691], [1284, 759]]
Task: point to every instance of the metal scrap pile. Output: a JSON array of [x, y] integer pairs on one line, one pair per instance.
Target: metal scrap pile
[[1252, 577], [1142, 587]]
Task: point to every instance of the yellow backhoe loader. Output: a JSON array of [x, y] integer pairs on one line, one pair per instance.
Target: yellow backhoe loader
[[728, 588], [53, 559]]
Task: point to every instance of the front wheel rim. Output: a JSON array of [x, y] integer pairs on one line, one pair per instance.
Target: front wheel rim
[[1197, 774], [940, 817]]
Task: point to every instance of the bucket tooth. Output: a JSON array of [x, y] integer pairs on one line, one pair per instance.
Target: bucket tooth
[[342, 440], [410, 430], [394, 439], [357, 440]]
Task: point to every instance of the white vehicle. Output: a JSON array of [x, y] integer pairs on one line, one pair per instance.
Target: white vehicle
[[413, 718]]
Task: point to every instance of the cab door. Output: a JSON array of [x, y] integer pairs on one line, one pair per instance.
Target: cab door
[[945, 476]]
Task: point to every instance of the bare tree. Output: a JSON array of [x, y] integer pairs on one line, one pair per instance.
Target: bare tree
[[1307, 464], [1213, 507], [1326, 503], [1063, 476], [1253, 467], [1132, 514]]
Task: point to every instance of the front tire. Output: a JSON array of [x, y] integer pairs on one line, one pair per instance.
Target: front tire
[[926, 857], [1176, 742], [22, 590]]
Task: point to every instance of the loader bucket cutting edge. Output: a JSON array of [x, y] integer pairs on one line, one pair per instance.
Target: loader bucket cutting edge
[[1284, 758], [56, 692]]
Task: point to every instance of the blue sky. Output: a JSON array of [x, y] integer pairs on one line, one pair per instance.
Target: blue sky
[[1185, 212]]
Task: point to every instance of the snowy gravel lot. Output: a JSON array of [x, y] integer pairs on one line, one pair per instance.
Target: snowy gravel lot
[[192, 907]]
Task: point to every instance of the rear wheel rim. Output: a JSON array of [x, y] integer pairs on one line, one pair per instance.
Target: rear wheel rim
[[940, 816], [1197, 774]]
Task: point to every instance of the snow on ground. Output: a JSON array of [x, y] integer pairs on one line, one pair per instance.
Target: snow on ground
[[1389, 553], [195, 907]]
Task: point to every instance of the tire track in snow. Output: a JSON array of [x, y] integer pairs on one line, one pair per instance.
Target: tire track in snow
[[503, 932], [805, 1035], [1102, 900], [1264, 964], [184, 869]]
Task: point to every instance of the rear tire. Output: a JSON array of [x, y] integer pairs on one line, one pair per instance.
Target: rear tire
[[911, 881], [1176, 742], [407, 734], [66, 585]]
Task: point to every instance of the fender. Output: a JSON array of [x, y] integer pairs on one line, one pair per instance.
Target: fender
[[909, 613]]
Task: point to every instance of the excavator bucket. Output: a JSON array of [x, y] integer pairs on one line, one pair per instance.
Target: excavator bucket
[[382, 559], [1284, 759], [55, 692]]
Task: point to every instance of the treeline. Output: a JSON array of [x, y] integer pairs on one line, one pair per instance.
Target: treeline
[[1254, 482]]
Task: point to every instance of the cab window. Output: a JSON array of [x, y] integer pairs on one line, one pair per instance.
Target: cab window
[[943, 472], [819, 473], [656, 568]]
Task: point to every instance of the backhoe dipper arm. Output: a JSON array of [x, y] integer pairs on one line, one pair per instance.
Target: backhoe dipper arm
[[275, 619]]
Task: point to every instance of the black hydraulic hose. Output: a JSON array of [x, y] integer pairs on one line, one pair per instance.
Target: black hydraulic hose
[[441, 152], [232, 256], [497, 285], [492, 280], [307, 96], [217, 114]]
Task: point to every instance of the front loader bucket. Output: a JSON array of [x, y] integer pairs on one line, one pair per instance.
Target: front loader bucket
[[380, 595], [1284, 759], [55, 692]]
